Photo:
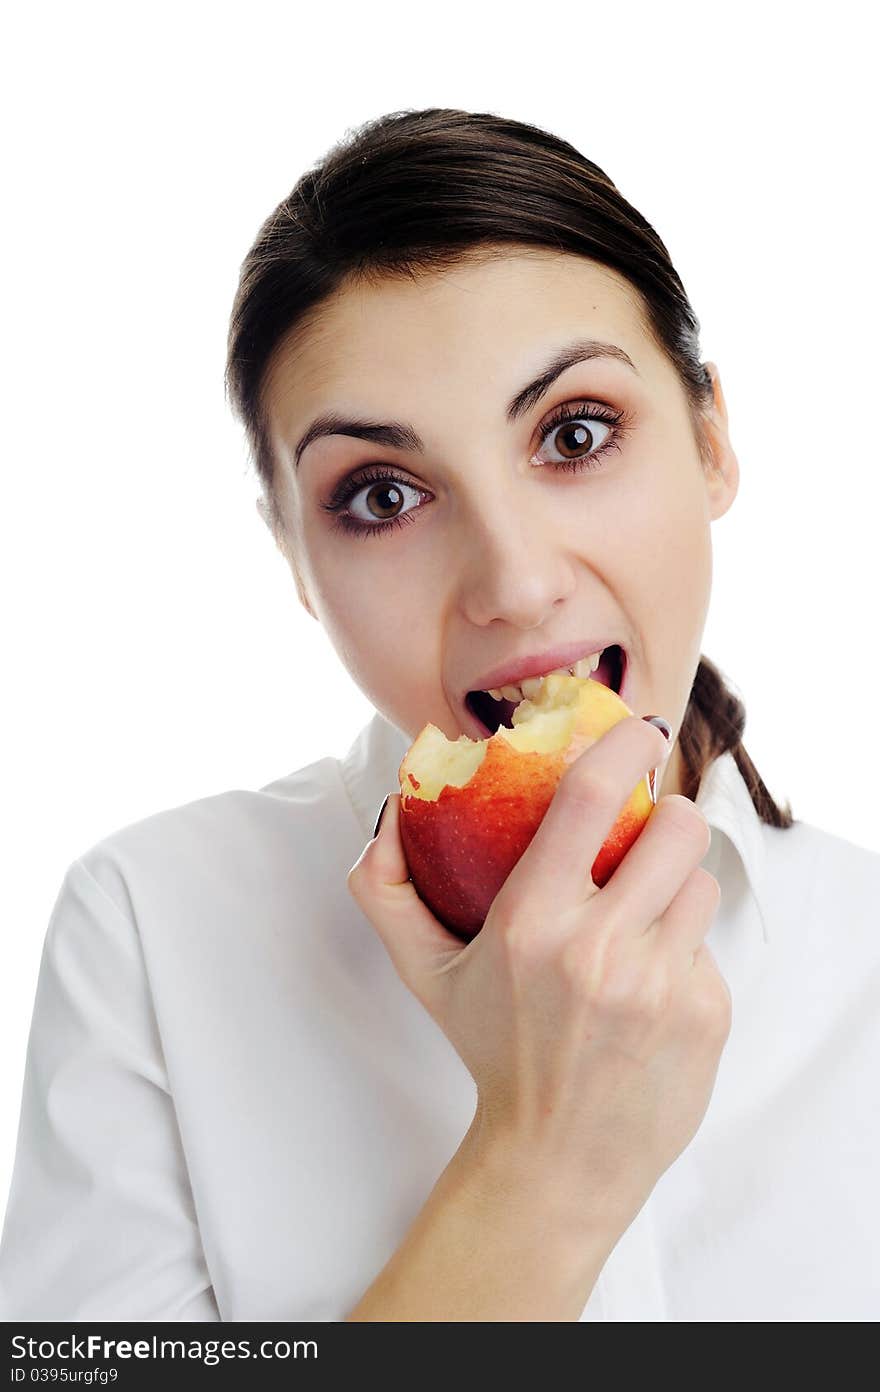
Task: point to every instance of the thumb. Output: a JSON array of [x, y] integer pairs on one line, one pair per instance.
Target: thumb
[[417, 942]]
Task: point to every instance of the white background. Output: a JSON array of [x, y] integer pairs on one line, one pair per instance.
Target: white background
[[156, 650]]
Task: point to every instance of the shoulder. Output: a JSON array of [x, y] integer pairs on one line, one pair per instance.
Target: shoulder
[[217, 853], [812, 857], [239, 880], [822, 887]]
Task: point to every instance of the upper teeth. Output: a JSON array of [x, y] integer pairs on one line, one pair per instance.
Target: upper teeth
[[584, 667]]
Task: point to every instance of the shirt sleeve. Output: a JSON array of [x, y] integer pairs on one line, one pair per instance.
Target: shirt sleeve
[[100, 1222]]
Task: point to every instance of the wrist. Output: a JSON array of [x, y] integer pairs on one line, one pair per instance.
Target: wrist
[[570, 1216], [495, 1240]]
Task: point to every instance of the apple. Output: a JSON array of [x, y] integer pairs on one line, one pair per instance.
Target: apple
[[469, 808]]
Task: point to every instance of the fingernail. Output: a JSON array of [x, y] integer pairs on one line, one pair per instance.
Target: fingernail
[[379, 818], [661, 724]]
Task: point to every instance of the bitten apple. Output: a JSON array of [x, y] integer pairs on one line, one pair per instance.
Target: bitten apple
[[469, 808]]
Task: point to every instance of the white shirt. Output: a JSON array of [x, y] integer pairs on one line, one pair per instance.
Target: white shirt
[[233, 1108]]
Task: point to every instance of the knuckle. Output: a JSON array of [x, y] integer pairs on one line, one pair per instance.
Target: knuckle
[[706, 887], [358, 883], [629, 991], [652, 998], [504, 916], [711, 1009], [682, 820], [519, 943], [587, 786], [724, 1006]]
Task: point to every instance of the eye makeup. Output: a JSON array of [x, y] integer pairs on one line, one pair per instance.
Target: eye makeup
[[582, 412]]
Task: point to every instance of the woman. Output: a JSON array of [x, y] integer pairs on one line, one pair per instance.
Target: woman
[[263, 1081]]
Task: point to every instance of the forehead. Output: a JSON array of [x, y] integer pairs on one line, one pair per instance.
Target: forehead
[[374, 346]]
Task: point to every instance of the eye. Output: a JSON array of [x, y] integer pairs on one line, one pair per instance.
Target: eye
[[376, 490], [579, 431]]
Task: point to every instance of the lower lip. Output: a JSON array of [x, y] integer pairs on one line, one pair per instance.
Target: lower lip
[[482, 731]]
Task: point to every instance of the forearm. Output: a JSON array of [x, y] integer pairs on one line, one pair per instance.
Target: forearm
[[495, 1241]]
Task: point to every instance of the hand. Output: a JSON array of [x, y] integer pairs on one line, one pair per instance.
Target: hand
[[592, 1020]]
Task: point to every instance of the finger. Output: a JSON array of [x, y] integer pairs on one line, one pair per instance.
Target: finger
[[416, 941], [681, 931], [712, 992], [673, 842], [553, 873]]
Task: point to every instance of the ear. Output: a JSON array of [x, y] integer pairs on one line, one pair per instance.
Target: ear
[[721, 466]]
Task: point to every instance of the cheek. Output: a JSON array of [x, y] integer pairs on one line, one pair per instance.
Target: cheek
[[662, 556], [682, 581], [384, 631], [377, 584]]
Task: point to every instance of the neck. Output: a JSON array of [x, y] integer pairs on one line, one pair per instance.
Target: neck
[[671, 778]]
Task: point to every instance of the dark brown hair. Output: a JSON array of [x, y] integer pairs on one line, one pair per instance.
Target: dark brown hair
[[420, 190]]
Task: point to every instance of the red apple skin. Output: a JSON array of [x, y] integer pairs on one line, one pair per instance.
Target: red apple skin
[[462, 846]]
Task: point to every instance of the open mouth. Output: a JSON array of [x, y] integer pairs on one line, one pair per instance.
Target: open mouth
[[492, 713]]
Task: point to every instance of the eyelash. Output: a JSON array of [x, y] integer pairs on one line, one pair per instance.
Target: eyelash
[[569, 411]]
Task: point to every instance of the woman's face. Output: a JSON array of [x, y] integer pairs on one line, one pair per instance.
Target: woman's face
[[499, 552]]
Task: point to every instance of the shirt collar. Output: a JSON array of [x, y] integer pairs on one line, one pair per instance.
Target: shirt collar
[[726, 803], [369, 771]]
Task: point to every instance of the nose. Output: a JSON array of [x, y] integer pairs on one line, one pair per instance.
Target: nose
[[515, 572]]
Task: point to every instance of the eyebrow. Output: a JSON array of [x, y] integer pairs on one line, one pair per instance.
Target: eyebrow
[[400, 435]]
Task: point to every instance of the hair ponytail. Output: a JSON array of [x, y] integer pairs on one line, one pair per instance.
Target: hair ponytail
[[713, 724]]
